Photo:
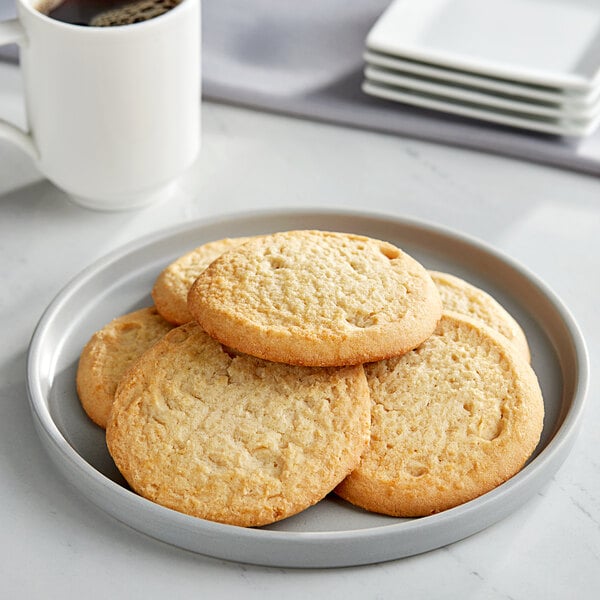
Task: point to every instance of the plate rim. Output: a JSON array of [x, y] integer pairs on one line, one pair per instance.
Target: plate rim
[[550, 457]]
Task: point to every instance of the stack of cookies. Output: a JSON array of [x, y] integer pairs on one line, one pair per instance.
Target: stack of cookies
[[274, 370]]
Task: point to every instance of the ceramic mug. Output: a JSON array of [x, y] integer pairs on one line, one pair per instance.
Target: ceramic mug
[[113, 112]]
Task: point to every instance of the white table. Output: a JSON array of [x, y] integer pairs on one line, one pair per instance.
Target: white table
[[56, 544]]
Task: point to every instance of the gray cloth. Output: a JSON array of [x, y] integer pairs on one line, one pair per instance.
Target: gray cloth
[[305, 59]]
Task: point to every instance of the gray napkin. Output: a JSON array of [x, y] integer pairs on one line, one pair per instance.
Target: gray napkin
[[305, 59]]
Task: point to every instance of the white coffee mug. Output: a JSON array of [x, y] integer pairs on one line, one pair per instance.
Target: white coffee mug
[[113, 112]]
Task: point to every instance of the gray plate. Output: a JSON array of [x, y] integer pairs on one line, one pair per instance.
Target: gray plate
[[332, 533]]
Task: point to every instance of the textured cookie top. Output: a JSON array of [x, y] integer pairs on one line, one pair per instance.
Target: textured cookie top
[[235, 439], [316, 298], [449, 421], [462, 297], [109, 353], [172, 286]]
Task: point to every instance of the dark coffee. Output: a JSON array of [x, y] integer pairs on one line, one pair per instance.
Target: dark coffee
[[105, 13]]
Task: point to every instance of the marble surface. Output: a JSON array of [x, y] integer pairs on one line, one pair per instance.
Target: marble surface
[[56, 544]]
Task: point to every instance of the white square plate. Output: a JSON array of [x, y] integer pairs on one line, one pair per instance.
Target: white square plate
[[483, 113], [571, 99], [484, 98], [553, 43]]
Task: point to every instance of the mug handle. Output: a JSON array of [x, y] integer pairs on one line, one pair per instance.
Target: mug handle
[[12, 32]]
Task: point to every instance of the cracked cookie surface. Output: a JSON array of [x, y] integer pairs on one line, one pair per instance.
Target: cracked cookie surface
[[450, 420], [233, 438]]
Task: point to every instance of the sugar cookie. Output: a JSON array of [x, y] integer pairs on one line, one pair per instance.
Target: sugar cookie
[[463, 297], [450, 420], [171, 287], [233, 438], [109, 353], [316, 298]]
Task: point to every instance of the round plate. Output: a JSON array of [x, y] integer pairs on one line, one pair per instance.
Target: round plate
[[332, 533]]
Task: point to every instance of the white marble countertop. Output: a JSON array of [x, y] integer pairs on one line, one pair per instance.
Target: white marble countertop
[[56, 544]]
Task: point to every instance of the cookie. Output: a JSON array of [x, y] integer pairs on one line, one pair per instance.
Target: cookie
[[450, 421], [232, 438], [316, 298], [462, 297], [109, 353], [172, 286]]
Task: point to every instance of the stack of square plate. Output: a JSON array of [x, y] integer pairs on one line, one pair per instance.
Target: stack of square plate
[[532, 64]]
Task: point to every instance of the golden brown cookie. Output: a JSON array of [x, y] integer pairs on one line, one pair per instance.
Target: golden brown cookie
[[462, 297], [450, 421], [171, 287], [233, 438], [109, 353], [316, 298]]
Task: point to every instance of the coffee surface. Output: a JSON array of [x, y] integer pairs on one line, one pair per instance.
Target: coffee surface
[[105, 13]]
